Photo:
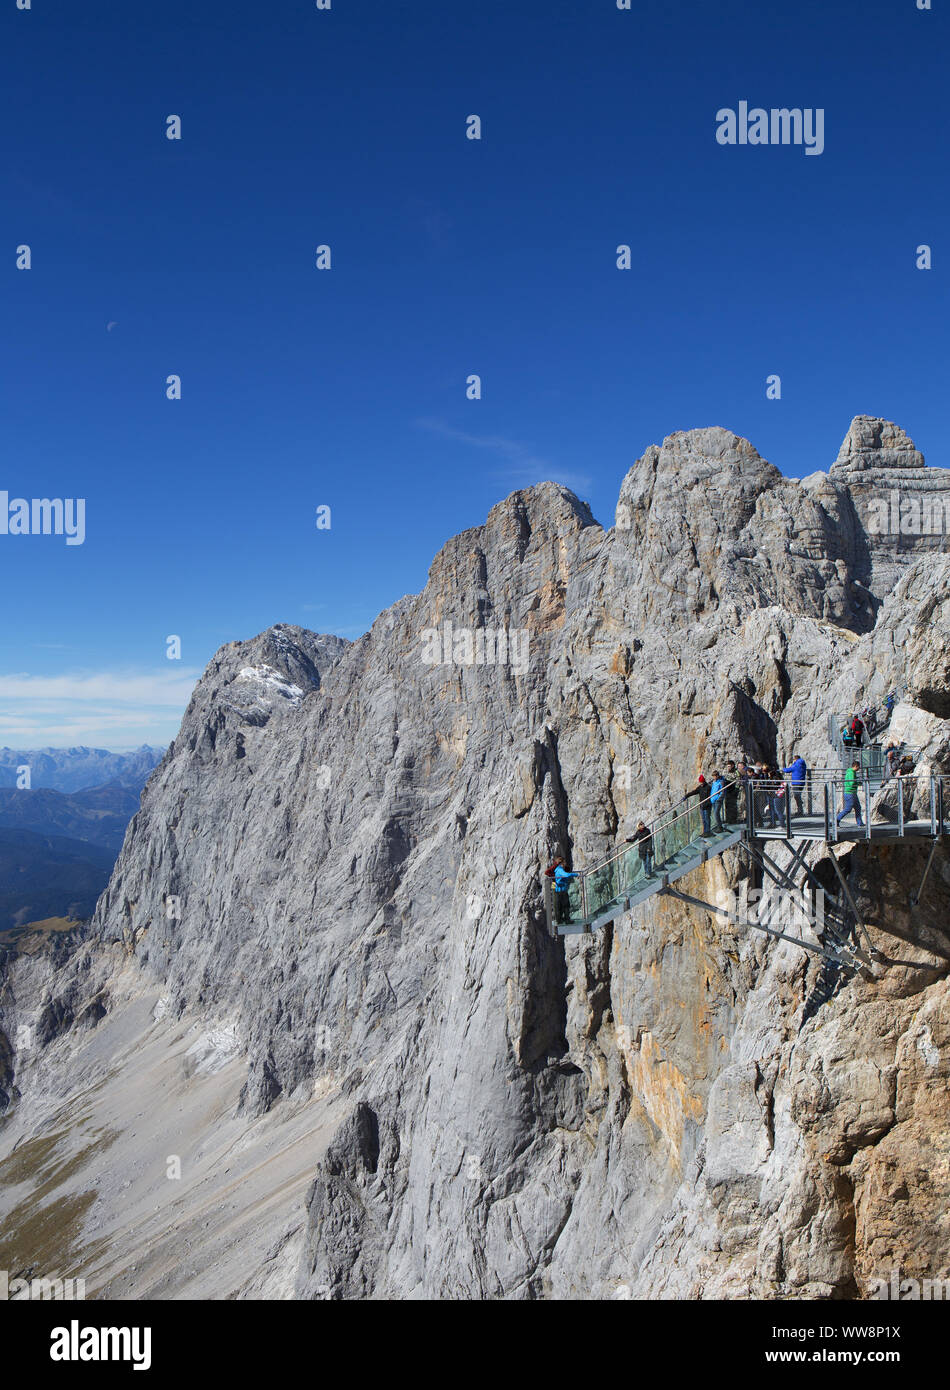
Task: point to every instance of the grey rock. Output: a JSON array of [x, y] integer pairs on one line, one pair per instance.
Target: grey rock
[[336, 866], [903, 507]]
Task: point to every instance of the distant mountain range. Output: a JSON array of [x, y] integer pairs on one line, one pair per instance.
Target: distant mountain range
[[60, 837], [96, 817], [49, 876], [76, 769]]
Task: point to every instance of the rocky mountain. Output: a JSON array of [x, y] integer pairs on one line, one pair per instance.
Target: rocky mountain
[[320, 977], [902, 506], [75, 769]]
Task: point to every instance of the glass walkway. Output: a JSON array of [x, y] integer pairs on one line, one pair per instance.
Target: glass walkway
[[895, 808]]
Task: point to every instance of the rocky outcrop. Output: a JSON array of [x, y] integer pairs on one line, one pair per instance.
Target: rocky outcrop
[[709, 520], [334, 876], [903, 507]]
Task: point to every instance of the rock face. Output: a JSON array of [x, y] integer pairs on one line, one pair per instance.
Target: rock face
[[709, 518], [334, 877], [903, 507]]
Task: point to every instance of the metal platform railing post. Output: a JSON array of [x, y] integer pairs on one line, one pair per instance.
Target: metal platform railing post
[[867, 805], [584, 897], [749, 818], [827, 809], [900, 807], [933, 807], [788, 809]]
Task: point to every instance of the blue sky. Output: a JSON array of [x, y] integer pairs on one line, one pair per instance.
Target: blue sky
[[450, 256]]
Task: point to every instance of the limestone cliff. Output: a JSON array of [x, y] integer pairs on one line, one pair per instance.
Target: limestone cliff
[[322, 954]]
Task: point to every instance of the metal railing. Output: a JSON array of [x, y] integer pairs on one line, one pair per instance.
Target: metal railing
[[810, 809], [872, 750], [625, 871], [874, 727]]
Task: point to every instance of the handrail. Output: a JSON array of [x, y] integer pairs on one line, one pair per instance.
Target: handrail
[[654, 828], [600, 886], [759, 783]]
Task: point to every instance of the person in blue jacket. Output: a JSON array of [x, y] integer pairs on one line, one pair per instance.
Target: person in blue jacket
[[561, 900], [798, 771], [717, 793]]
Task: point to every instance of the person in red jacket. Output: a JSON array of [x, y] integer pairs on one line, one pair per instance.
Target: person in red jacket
[[704, 792]]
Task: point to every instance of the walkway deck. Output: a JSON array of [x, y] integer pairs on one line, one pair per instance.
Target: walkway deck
[[599, 895]]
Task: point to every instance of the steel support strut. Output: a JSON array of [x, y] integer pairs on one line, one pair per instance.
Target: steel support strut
[[859, 925], [757, 926], [798, 862], [844, 887], [779, 877], [930, 859]]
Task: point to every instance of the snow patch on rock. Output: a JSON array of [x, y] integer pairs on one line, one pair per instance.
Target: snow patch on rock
[[213, 1050], [273, 682]]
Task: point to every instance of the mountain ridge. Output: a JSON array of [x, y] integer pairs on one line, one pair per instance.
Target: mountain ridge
[[336, 868], [78, 768]]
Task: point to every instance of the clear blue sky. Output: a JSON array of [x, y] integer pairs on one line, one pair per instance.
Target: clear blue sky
[[450, 256]]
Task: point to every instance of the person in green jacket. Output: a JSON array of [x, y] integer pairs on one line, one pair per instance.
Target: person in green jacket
[[851, 800]]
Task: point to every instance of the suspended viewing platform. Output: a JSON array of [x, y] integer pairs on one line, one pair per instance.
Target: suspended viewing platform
[[894, 809]]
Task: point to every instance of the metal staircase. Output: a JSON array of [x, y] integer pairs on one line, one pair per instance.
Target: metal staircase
[[904, 808]]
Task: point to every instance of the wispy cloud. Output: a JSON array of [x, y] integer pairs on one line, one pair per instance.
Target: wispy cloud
[[578, 482], [108, 708], [526, 468], [509, 449], [171, 687]]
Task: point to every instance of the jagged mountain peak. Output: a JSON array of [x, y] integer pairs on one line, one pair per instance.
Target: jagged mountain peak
[[710, 455], [875, 443], [523, 519], [299, 654]]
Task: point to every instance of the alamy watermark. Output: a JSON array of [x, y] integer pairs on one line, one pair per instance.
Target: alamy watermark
[[76, 1343], [778, 126], [777, 908], [43, 516], [894, 515], [40, 1289], [909, 1290], [480, 646]]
